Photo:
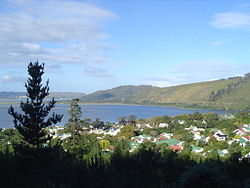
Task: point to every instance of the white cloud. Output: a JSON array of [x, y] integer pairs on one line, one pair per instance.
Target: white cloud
[[32, 47], [58, 31], [200, 70], [209, 69], [231, 20], [163, 81], [11, 78], [97, 72]]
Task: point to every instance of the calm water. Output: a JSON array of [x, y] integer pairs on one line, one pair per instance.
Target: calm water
[[109, 113]]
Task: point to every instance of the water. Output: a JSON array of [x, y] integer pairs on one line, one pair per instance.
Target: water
[[109, 113]]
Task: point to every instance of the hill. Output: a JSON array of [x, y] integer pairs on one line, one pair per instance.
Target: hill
[[232, 93]]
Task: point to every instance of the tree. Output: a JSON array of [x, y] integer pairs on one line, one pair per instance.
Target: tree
[[197, 116], [127, 132], [74, 123], [104, 144], [132, 120], [98, 124], [32, 122], [210, 118], [86, 122], [122, 120]]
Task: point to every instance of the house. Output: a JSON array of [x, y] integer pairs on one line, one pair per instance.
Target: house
[[165, 136], [141, 138], [220, 136], [97, 131], [196, 149], [176, 148], [196, 132], [163, 125], [197, 136], [200, 138], [239, 132], [54, 130], [243, 140], [113, 132], [223, 152], [174, 144], [148, 126], [246, 129], [181, 122]]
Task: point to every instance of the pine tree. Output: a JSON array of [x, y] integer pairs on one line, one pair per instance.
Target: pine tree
[[32, 122], [74, 123]]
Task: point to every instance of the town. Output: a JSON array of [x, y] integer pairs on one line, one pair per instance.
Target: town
[[205, 136]]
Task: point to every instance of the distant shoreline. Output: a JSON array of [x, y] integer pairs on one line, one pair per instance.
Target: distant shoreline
[[15, 102], [158, 105]]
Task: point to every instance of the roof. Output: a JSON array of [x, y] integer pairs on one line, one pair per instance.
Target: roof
[[145, 136], [213, 130], [169, 142], [242, 140], [176, 148], [221, 153], [195, 148], [247, 137]]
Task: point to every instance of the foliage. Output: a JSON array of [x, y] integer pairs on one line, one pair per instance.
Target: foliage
[[97, 124], [74, 123], [122, 120], [104, 144], [197, 116], [127, 132], [32, 123], [132, 120]]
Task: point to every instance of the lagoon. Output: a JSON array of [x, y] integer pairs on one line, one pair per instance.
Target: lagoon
[[109, 113]]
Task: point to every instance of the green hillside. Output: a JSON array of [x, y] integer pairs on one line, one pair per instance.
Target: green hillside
[[232, 93]]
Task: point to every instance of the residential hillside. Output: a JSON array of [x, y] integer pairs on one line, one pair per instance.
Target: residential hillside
[[232, 93], [56, 95]]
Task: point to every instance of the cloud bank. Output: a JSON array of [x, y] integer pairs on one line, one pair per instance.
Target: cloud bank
[[197, 71], [53, 31], [231, 20]]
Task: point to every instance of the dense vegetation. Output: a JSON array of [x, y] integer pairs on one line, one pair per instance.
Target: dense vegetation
[[34, 154], [91, 160], [231, 93]]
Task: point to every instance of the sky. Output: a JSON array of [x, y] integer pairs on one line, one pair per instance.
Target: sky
[[100, 44]]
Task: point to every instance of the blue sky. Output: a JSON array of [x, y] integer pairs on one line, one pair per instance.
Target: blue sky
[[100, 44]]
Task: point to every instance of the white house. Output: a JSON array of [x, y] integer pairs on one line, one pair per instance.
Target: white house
[[163, 125], [220, 136]]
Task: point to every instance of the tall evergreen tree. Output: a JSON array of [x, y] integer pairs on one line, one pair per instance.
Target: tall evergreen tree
[[32, 122], [74, 123]]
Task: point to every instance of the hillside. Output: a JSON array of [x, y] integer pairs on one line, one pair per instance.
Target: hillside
[[232, 93]]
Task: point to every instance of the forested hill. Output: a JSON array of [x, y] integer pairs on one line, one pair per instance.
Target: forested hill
[[56, 95], [232, 93]]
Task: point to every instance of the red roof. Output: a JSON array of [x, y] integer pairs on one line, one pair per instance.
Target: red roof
[[162, 138], [176, 148], [241, 129], [197, 131], [247, 137]]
